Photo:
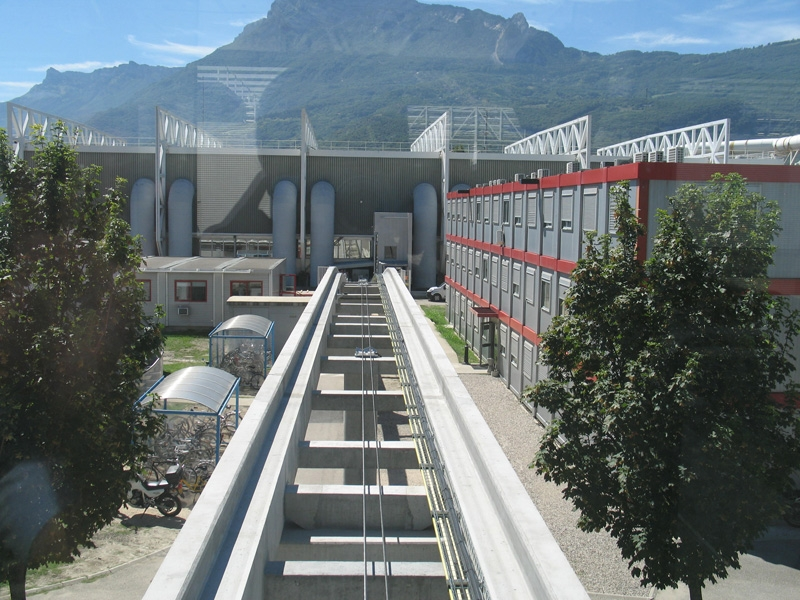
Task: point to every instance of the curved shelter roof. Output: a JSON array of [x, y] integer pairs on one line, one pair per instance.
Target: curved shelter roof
[[202, 385], [254, 323]]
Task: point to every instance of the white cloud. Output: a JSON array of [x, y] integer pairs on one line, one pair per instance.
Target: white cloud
[[658, 39], [171, 48], [85, 67], [755, 33], [19, 85], [13, 89]]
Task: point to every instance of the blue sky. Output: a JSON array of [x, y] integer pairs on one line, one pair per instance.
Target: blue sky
[[83, 35]]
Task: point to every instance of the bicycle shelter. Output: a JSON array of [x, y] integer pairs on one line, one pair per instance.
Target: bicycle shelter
[[243, 346], [208, 387]]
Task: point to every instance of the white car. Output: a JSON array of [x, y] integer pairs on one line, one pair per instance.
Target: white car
[[437, 293]]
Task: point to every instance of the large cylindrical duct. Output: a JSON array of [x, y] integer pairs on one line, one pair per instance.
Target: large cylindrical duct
[[323, 198], [143, 214], [284, 224], [423, 271], [180, 217]]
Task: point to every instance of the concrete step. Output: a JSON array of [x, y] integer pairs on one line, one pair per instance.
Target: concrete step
[[405, 507], [346, 345], [352, 365], [344, 545], [385, 400], [342, 580], [356, 328], [348, 455], [348, 306]]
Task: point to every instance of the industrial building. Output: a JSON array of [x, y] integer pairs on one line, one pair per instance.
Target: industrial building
[[503, 229]]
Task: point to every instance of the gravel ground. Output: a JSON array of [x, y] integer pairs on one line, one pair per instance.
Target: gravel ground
[[594, 556]]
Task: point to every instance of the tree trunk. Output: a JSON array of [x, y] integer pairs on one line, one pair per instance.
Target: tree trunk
[[16, 580], [695, 592]]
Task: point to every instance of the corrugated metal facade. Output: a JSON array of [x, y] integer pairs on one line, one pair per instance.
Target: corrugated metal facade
[[366, 185], [131, 166], [234, 191]]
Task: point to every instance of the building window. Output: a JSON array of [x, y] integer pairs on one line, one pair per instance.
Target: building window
[[544, 293], [518, 209], [589, 210], [530, 285], [146, 289], [566, 211], [506, 209], [478, 210], [247, 288], [527, 360], [547, 210], [485, 267], [516, 279], [514, 349], [533, 202], [191, 291], [486, 210], [496, 210], [612, 214], [504, 275], [563, 290]]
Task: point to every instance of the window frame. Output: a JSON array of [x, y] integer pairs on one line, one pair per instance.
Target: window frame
[[147, 289], [247, 283], [192, 285], [546, 292]]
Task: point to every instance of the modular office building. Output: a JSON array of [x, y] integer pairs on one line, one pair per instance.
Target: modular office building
[[512, 246]]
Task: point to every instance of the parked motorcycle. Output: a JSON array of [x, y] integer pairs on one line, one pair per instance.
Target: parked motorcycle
[[162, 494]]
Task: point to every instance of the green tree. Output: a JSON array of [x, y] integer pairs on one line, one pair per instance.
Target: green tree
[[661, 375], [74, 341]]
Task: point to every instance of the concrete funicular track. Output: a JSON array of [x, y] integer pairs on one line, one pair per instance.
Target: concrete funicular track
[[363, 470]]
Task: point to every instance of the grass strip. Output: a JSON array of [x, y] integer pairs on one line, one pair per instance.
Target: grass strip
[[438, 314]]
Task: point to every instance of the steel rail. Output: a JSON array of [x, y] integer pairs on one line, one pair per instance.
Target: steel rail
[[369, 354], [462, 572]]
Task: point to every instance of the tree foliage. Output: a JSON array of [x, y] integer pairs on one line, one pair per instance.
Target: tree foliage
[[661, 376], [74, 341]]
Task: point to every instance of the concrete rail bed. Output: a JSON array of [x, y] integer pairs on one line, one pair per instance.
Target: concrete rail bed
[[260, 530]]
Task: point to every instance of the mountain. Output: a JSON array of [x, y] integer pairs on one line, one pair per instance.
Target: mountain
[[357, 65]]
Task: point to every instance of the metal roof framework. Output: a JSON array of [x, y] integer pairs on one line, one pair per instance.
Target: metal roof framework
[[25, 123], [707, 140], [572, 138], [436, 136], [471, 128]]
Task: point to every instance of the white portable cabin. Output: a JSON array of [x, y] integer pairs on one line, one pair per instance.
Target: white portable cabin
[[193, 291]]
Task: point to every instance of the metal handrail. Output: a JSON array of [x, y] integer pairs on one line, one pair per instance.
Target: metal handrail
[[462, 570]]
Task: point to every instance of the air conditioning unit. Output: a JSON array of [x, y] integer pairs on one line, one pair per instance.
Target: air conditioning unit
[[183, 310], [656, 156], [499, 237], [501, 182], [675, 155], [573, 167], [518, 177], [542, 173], [640, 157]]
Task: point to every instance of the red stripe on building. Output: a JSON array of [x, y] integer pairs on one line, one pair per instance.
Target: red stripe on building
[[784, 287]]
